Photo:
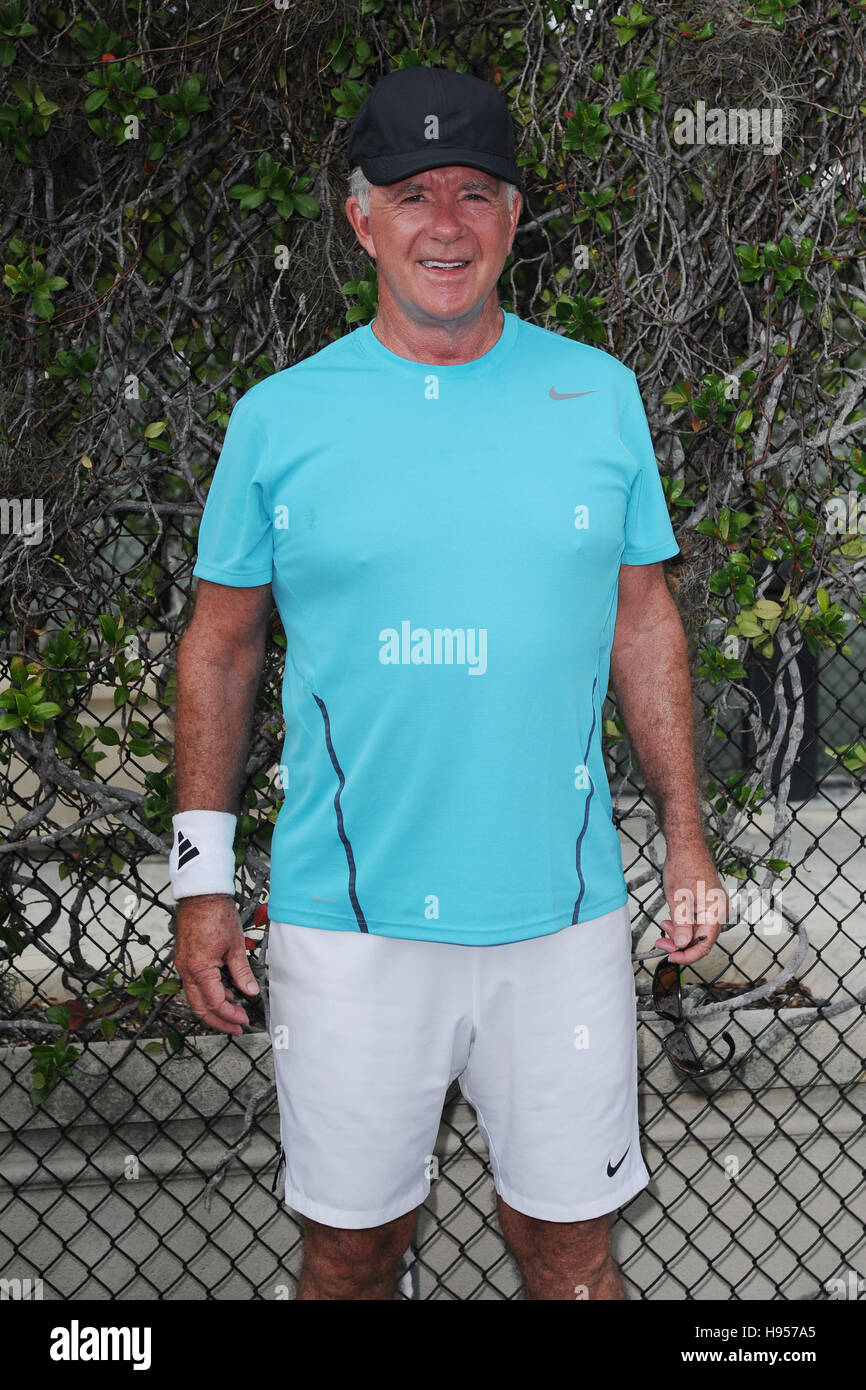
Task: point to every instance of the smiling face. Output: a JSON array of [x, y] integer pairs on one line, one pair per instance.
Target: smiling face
[[453, 214]]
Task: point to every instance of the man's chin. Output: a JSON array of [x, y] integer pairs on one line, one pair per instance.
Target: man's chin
[[450, 306]]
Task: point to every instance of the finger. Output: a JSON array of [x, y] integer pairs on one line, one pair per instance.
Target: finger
[[678, 934], [665, 941], [214, 996], [215, 992], [685, 955], [239, 969], [699, 941], [207, 1015], [201, 1011]]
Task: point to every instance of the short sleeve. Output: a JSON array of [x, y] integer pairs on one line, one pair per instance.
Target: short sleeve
[[235, 541], [649, 535]]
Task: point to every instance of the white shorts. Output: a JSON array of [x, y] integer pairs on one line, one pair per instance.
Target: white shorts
[[368, 1032]]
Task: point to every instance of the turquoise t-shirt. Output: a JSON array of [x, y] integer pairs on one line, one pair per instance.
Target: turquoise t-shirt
[[444, 545]]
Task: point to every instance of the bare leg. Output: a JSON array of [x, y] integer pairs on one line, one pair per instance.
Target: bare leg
[[340, 1264], [561, 1259]]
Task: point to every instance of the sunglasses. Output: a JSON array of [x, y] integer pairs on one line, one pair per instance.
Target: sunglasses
[[668, 1004]]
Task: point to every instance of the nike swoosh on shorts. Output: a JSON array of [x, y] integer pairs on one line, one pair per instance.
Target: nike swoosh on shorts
[[567, 395], [613, 1169]]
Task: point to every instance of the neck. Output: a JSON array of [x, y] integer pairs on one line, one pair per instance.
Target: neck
[[445, 343]]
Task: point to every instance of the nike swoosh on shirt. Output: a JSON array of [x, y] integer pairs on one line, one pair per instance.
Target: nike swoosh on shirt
[[567, 395], [612, 1168]]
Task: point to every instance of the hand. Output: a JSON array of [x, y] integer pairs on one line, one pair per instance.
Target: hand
[[698, 902], [209, 935]]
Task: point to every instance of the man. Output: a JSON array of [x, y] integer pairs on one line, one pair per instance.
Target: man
[[460, 517]]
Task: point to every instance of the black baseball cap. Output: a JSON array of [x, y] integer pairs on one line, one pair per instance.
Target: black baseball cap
[[424, 118]]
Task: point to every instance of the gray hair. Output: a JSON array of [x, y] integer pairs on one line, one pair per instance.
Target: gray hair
[[360, 188]]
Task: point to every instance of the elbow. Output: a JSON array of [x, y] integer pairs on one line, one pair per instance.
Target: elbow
[[228, 653]]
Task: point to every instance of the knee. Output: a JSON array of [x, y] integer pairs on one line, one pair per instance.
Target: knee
[[583, 1245], [352, 1264]]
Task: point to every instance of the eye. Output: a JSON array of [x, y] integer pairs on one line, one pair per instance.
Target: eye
[[409, 198]]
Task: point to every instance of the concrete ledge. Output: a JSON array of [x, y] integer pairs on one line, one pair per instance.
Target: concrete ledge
[[118, 1081]]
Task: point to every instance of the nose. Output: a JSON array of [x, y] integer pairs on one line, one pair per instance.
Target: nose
[[446, 218]]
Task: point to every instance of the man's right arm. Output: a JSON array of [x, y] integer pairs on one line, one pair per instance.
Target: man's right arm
[[219, 667]]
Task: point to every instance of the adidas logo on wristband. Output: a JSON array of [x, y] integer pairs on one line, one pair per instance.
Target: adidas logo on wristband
[[186, 850], [201, 859]]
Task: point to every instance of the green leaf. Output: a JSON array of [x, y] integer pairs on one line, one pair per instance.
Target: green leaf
[[306, 206], [677, 397], [47, 710], [748, 625]]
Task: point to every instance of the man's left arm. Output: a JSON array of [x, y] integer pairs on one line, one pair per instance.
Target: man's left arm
[[650, 673]]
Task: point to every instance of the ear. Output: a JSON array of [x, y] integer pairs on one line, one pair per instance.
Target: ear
[[360, 224], [516, 209]]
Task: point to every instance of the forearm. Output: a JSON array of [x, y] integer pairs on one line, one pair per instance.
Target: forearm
[[213, 720], [650, 674]]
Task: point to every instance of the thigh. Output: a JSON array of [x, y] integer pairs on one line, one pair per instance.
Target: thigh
[[367, 1033], [553, 1070]]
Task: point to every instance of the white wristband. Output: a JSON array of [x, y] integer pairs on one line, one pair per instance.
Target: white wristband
[[202, 859]]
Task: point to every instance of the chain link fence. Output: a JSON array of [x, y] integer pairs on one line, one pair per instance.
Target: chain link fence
[[148, 1170], [139, 1152]]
